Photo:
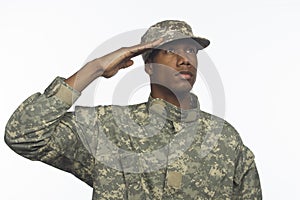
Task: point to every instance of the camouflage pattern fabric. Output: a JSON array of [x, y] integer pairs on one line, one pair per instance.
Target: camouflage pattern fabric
[[171, 30], [151, 150]]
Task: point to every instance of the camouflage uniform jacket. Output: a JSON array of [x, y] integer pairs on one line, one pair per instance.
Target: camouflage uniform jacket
[[151, 150]]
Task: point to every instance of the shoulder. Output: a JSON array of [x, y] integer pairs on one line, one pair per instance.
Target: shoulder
[[221, 143], [109, 112], [222, 131]]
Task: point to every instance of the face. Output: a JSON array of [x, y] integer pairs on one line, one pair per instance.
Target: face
[[174, 66]]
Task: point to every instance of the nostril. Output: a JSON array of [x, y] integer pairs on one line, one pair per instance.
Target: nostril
[[184, 62]]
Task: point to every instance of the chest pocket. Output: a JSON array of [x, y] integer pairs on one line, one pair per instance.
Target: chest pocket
[[205, 179]]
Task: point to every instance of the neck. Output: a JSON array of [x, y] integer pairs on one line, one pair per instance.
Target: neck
[[180, 99]]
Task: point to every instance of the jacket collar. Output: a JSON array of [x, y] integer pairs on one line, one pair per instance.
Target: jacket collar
[[172, 112]]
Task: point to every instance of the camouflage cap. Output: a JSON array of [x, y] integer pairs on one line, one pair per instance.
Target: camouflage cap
[[170, 30]]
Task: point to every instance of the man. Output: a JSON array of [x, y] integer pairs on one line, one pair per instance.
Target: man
[[165, 148]]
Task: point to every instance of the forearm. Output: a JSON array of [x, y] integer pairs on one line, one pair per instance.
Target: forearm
[[107, 65], [83, 77]]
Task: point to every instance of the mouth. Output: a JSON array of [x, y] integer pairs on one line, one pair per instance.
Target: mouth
[[186, 75]]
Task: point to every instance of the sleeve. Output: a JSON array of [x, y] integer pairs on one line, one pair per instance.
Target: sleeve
[[246, 178], [42, 129]]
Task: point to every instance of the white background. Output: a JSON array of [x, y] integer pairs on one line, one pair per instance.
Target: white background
[[255, 47]]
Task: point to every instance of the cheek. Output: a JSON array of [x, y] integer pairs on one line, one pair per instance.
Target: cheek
[[163, 75], [194, 61], [165, 60], [163, 72]]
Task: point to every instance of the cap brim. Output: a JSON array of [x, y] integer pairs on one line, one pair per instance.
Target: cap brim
[[203, 42]]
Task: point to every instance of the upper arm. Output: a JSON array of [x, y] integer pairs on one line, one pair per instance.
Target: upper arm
[[246, 178], [42, 129]]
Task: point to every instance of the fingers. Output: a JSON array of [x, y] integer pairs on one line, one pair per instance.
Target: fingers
[[141, 48], [152, 43], [149, 45], [128, 63]]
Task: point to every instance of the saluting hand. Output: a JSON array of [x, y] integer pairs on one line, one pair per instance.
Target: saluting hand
[[108, 65]]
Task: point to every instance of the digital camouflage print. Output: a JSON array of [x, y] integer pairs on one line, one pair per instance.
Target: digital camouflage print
[[151, 150], [171, 30]]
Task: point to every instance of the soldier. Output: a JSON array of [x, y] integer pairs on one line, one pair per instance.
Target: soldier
[[165, 148]]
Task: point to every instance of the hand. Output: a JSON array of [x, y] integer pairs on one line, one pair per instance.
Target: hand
[[108, 65]]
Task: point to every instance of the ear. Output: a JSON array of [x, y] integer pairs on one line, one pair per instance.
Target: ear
[[149, 68]]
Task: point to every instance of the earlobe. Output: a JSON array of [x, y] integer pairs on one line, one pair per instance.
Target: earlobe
[[149, 68]]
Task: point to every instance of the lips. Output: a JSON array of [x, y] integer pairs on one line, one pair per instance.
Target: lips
[[184, 75]]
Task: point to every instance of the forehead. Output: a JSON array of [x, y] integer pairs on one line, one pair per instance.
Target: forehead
[[181, 43]]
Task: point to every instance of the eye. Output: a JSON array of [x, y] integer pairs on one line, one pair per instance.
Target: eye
[[170, 51], [191, 51]]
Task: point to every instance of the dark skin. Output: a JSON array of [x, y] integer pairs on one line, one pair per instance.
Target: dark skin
[[108, 65], [172, 70]]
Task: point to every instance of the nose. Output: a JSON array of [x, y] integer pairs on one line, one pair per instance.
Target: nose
[[183, 59]]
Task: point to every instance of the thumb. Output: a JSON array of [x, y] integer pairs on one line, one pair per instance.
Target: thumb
[[128, 63]]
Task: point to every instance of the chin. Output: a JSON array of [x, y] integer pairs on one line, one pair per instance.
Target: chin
[[182, 89]]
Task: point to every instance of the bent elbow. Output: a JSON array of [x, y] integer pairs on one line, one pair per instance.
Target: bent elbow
[[26, 147]]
